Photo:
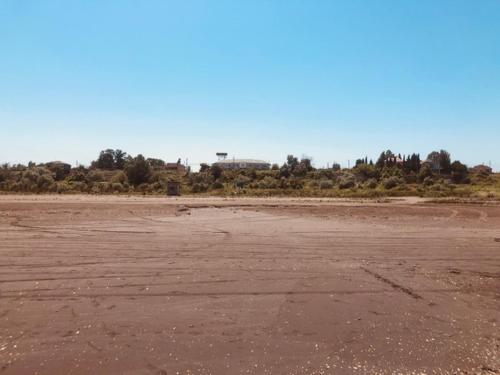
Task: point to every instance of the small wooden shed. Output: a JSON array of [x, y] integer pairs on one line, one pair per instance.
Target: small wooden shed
[[173, 188]]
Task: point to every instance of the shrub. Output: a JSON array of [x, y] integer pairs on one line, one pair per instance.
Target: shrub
[[428, 181], [366, 171], [392, 182], [138, 170], [95, 176], [268, 183], [119, 177], [62, 187], [371, 183], [325, 184], [59, 170], [217, 185], [425, 172], [296, 183], [199, 187], [78, 186], [347, 181], [117, 187], [143, 188], [44, 182], [241, 181], [459, 172], [216, 171], [99, 188]]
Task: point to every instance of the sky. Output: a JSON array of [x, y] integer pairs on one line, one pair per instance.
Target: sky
[[333, 80]]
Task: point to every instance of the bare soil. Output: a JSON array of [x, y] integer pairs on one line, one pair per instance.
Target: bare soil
[[116, 285]]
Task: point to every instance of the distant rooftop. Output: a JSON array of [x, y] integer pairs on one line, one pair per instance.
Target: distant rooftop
[[240, 161]]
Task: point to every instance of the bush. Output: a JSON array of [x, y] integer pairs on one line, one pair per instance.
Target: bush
[[428, 181], [325, 184], [100, 188], [425, 172], [371, 183], [117, 187], [366, 171], [217, 185], [59, 170], [199, 187], [410, 178], [78, 186], [241, 181], [62, 187], [119, 177], [95, 176], [392, 182], [347, 181], [44, 182], [268, 183], [138, 170], [459, 172]]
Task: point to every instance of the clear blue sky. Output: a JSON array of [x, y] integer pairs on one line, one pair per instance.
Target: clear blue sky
[[334, 80]]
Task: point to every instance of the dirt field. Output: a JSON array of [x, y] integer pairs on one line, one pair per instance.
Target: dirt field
[[111, 285]]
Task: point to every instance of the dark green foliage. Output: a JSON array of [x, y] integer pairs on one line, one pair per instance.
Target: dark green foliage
[[381, 161], [216, 172], [459, 172], [440, 161], [59, 170], [106, 160], [325, 184], [204, 167], [217, 185], [156, 163], [365, 171], [241, 181], [425, 172], [199, 187], [392, 182], [371, 183], [119, 159], [294, 168], [391, 175], [412, 163], [138, 170], [347, 181], [110, 159]]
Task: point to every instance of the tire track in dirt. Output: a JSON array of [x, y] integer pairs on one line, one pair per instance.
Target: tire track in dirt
[[397, 287], [393, 284]]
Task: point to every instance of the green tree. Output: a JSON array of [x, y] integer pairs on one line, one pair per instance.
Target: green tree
[[445, 161], [138, 170], [119, 157], [381, 161], [292, 162], [216, 171], [440, 161], [459, 172], [204, 167], [156, 163], [106, 160]]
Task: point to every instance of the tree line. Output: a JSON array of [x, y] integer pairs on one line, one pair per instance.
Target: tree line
[[115, 171]]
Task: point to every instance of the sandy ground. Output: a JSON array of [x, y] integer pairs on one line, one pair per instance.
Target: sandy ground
[[115, 285]]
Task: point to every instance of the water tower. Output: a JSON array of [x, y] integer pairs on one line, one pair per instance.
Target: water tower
[[221, 156]]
